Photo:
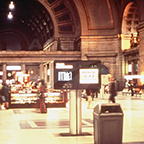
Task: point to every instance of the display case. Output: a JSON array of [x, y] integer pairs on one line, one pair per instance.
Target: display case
[[54, 97], [31, 100], [23, 98]]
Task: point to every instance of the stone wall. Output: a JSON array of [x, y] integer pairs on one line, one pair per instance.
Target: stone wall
[[33, 71], [63, 44]]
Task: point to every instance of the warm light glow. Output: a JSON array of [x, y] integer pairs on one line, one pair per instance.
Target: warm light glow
[[20, 76], [1, 73], [125, 41], [10, 16], [32, 71], [105, 79], [19, 73], [48, 72], [11, 5], [142, 79], [13, 68], [130, 77], [130, 68]]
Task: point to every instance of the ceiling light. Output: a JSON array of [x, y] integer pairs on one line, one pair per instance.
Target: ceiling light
[[11, 5], [10, 16]]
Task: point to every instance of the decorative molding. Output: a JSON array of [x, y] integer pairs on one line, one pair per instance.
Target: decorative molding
[[66, 31], [57, 5], [64, 26], [51, 3], [64, 21], [100, 37], [41, 56], [101, 55]]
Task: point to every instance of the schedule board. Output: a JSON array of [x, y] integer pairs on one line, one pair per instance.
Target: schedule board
[[77, 74]]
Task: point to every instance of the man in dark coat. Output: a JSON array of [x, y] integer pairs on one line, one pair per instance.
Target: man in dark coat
[[112, 90], [5, 95]]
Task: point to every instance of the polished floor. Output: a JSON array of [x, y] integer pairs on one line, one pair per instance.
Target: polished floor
[[28, 126]]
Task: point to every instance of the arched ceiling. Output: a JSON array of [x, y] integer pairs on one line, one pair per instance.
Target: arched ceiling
[[130, 19], [30, 18], [39, 19]]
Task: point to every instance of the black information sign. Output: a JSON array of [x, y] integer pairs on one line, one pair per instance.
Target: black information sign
[[77, 74]]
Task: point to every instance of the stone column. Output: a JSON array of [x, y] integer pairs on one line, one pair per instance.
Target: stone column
[[23, 68], [45, 73], [41, 71], [4, 72], [141, 49], [84, 47], [51, 78], [119, 62], [126, 67]]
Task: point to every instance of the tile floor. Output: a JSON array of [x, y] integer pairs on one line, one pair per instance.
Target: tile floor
[[28, 126]]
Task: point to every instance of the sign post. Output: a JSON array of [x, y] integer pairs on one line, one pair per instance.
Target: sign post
[[76, 75], [75, 113]]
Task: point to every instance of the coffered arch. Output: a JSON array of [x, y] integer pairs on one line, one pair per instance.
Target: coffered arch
[[65, 17]]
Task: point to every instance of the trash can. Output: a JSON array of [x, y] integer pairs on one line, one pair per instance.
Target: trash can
[[108, 123]]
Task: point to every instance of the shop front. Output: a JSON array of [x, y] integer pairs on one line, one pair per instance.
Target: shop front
[[23, 83]]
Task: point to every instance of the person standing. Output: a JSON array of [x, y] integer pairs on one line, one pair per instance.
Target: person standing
[[41, 91], [89, 97], [112, 90], [130, 88], [5, 95]]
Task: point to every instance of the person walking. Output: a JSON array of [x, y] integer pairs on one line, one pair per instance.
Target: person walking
[[5, 95], [112, 90], [89, 97]]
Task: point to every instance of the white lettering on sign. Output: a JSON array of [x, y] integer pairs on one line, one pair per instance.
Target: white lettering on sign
[[63, 66], [88, 76]]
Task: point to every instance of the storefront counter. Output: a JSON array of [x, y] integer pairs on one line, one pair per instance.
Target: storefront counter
[[30, 100]]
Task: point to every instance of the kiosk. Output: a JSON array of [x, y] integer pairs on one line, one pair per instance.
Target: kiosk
[[75, 76]]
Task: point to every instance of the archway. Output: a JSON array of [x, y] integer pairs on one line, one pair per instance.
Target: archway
[[129, 24]]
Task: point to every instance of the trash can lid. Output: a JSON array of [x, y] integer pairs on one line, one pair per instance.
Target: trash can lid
[[107, 108]]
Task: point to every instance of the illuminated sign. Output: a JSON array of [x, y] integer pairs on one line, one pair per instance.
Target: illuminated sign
[[64, 76], [13, 68], [63, 66], [88, 76]]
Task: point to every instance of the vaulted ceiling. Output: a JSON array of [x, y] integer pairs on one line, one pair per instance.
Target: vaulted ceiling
[[30, 19], [34, 19]]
